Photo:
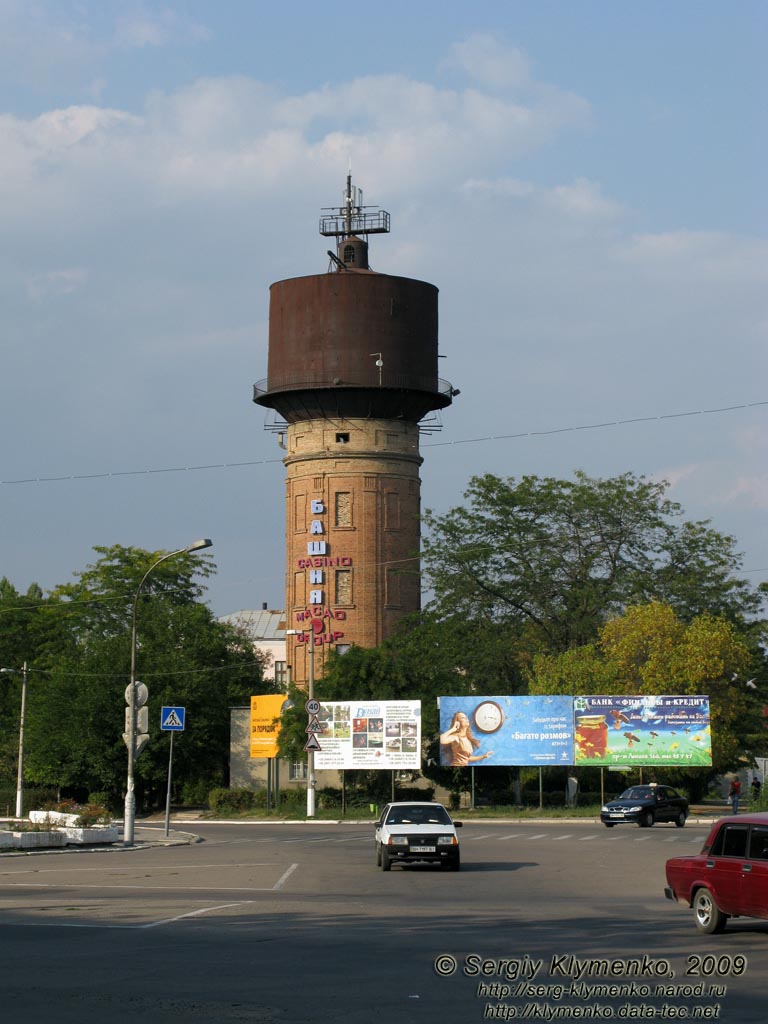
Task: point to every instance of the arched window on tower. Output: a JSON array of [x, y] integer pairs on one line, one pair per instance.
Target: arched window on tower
[[349, 254]]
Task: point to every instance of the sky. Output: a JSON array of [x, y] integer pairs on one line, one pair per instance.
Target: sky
[[583, 181]]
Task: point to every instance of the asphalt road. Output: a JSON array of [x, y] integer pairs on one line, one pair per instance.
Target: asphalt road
[[295, 924]]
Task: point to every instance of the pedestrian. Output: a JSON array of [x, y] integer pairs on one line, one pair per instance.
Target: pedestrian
[[734, 793], [755, 788]]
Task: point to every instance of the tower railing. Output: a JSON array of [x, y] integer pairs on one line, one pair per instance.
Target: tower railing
[[372, 380]]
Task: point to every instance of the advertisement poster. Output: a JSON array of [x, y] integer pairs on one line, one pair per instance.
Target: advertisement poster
[[370, 734], [506, 731], [265, 724], [642, 731]]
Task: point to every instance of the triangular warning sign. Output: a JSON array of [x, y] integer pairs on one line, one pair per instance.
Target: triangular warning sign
[[172, 720], [312, 743]]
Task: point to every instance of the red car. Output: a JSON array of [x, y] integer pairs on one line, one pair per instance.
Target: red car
[[729, 878]]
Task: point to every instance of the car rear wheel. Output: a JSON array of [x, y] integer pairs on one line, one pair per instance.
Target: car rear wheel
[[708, 916], [386, 861], [646, 819], [680, 819]]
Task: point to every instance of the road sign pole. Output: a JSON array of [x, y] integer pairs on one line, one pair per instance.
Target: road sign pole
[[168, 794], [311, 753]]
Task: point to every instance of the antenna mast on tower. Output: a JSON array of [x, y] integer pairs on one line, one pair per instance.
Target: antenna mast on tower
[[352, 217]]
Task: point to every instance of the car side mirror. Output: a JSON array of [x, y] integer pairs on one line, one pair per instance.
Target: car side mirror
[[458, 824]]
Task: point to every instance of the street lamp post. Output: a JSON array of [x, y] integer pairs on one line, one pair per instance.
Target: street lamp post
[[310, 696], [130, 794], [20, 772]]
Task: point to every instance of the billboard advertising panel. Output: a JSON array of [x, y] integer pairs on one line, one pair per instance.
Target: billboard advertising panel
[[531, 730], [652, 730], [265, 724], [369, 734]]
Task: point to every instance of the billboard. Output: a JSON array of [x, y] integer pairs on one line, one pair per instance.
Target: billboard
[[635, 731], [370, 734], [265, 724], [533, 730]]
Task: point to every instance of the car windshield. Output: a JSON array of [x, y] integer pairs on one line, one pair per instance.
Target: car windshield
[[637, 793], [418, 815]]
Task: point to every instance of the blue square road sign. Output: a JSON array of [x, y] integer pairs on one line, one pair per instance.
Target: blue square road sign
[[172, 719]]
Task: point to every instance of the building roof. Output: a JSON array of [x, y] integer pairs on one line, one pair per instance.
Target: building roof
[[263, 624]]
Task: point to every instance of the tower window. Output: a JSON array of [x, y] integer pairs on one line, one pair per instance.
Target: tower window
[[393, 596], [343, 515], [349, 254], [343, 586], [342, 439]]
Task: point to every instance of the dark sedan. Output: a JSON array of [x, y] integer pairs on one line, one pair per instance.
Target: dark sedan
[[645, 805], [729, 878]]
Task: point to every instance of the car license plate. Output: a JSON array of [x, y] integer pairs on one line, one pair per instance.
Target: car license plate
[[422, 849], [617, 814]]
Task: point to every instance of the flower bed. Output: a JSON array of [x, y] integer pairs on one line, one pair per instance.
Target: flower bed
[[37, 840], [97, 834], [53, 818]]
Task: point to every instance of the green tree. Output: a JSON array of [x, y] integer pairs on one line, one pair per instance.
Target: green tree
[[184, 656], [551, 560], [650, 649]]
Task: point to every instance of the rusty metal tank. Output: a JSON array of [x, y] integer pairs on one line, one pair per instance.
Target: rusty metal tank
[[353, 343]]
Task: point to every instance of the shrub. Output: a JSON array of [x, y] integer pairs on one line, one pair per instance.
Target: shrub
[[231, 801], [194, 794], [104, 799]]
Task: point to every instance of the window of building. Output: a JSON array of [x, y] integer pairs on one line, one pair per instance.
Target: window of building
[[281, 674], [300, 513], [349, 254], [298, 771], [299, 589], [394, 597], [391, 510], [343, 510], [342, 439], [343, 586]]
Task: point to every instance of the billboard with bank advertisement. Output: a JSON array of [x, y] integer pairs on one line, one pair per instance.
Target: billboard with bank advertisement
[[650, 730]]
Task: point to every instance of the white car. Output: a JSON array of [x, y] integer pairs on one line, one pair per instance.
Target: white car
[[410, 832]]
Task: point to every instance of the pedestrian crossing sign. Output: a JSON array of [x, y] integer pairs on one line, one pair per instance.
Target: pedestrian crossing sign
[[172, 719]]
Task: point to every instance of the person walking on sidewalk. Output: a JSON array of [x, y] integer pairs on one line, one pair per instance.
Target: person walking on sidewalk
[[734, 793]]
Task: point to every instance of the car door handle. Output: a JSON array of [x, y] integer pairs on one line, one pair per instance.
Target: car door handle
[[710, 864], [746, 867]]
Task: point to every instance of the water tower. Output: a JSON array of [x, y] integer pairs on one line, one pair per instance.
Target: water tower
[[352, 372]]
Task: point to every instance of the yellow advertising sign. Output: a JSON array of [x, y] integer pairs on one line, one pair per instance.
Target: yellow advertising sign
[[265, 724]]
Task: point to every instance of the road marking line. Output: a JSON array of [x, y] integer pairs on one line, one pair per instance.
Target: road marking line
[[476, 839], [539, 835], [130, 927], [147, 888], [583, 839], [284, 877], [512, 835], [556, 839]]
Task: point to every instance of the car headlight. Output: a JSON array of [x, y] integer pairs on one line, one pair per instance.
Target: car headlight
[[634, 810], [447, 841], [398, 840], [605, 809]]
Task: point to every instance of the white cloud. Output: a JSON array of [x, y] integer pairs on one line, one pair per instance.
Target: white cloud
[[140, 28], [674, 475], [236, 133], [490, 63], [752, 490], [56, 282]]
